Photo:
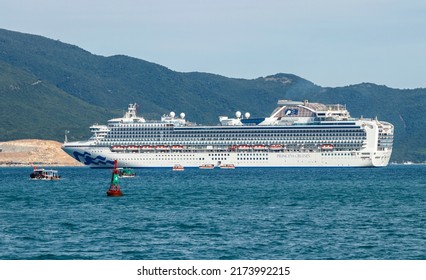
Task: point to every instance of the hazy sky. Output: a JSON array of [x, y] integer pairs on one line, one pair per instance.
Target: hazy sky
[[329, 42]]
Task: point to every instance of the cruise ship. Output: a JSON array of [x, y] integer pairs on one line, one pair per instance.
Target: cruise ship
[[296, 134]]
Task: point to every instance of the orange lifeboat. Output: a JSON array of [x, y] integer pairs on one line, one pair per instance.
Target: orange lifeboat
[[276, 147], [147, 148], [244, 147], [259, 147], [177, 147], [117, 148], [327, 147], [161, 148]]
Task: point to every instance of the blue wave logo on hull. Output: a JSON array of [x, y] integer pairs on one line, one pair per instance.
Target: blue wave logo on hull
[[88, 160]]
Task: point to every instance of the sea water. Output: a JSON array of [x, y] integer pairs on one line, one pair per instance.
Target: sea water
[[246, 213]]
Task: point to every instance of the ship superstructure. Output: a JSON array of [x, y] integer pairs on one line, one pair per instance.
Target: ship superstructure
[[295, 134]]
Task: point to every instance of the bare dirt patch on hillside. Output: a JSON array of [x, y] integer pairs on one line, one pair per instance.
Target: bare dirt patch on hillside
[[34, 152]]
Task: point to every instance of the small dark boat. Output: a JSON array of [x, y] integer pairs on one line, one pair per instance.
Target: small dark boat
[[44, 174]]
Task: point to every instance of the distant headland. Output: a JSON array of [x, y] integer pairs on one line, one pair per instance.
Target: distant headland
[[32, 152]]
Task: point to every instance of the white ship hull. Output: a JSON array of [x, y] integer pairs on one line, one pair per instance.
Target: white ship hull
[[102, 157]]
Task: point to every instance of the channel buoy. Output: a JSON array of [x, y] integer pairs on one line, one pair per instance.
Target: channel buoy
[[114, 187]]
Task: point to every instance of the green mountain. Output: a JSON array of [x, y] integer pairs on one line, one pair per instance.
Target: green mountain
[[47, 86], [34, 108]]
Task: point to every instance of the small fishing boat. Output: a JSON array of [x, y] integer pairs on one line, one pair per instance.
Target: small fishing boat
[[227, 166], [126, 172], [206, 166], [44, 174], [178, 167]]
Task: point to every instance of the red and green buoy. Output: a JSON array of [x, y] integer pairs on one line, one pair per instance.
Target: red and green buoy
[[114, 187]]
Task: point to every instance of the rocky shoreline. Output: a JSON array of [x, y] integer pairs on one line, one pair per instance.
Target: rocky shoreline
[[34, 152]]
